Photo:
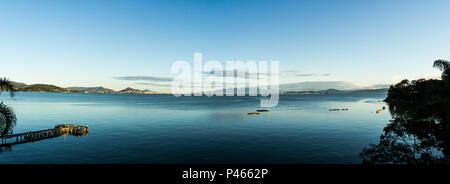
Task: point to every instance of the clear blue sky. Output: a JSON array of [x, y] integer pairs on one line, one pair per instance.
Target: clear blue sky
[[90, 42]]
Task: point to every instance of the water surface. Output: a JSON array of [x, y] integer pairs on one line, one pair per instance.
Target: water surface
[[130, 128]]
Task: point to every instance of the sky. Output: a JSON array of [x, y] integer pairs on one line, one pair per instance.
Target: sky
[[108, 42]]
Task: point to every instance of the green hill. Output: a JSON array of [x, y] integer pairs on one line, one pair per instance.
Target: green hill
[[19, 85], [44, 88], [92, 89], [135, 91]]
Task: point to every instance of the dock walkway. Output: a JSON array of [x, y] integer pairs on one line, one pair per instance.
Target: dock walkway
[[59, 130]]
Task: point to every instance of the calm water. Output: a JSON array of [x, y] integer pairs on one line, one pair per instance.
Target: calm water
[[127, 128]]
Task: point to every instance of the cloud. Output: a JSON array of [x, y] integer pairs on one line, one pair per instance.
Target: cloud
[[153, 84], [312, 74], [298, 73], [144, 78], [247, 75], [292, 71]]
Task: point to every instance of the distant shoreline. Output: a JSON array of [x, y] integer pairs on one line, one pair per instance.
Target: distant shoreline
[[335, 92], [21, 87], [284, 94], [52, 88], [74, 92]]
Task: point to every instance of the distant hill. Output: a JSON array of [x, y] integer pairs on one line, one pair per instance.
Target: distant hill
[[92, 89], [43, 88], [335, 91], [305, 85], [371, 91], [136, 91], [52, 88], [19, 85], [317, 86]]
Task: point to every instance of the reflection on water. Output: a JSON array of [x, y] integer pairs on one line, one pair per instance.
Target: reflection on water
[[417, 134], [166, 129], [129, 128]]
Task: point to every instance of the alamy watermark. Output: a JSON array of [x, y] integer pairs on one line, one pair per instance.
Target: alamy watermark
[[235, 78]]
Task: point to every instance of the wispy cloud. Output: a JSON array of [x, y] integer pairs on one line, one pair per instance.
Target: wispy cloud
[[299, 73], [144, 78], [292, 71], [246, 74], [153, 84]]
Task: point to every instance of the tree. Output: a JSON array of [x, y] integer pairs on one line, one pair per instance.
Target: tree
[[420, 130], [7, 115], [431, 91], [444, 66]]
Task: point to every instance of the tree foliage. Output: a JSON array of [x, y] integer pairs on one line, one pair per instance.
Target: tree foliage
[[426, 92], [7, 85], [444, 66], [419, 132], [7, 119], [7, 115]]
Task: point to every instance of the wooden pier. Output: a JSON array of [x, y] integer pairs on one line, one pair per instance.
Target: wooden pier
[[59, 130]]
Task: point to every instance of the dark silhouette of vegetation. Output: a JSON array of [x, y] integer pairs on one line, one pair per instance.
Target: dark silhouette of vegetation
[[7, 115], [423, 92], [444, 66], [7, 85], [416, 135], [419, 132]]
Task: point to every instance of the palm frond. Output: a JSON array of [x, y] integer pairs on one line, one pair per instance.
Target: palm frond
[[444, 66], [441, 64], [7, 85], [7, 119]]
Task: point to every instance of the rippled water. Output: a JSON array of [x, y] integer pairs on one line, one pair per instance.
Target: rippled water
[[129, 128]]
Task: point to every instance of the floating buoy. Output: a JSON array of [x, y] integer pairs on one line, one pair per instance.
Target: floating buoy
[[253, 113]]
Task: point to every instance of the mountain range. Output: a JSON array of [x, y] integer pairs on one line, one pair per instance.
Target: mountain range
[[52, 88], [336, 91], [319, 87]]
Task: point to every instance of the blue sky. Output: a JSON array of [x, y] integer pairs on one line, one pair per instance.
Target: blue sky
[[93, 42]]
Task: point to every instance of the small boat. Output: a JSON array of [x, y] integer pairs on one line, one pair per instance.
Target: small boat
[[253, 113], [379, 111], [262, 110]]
